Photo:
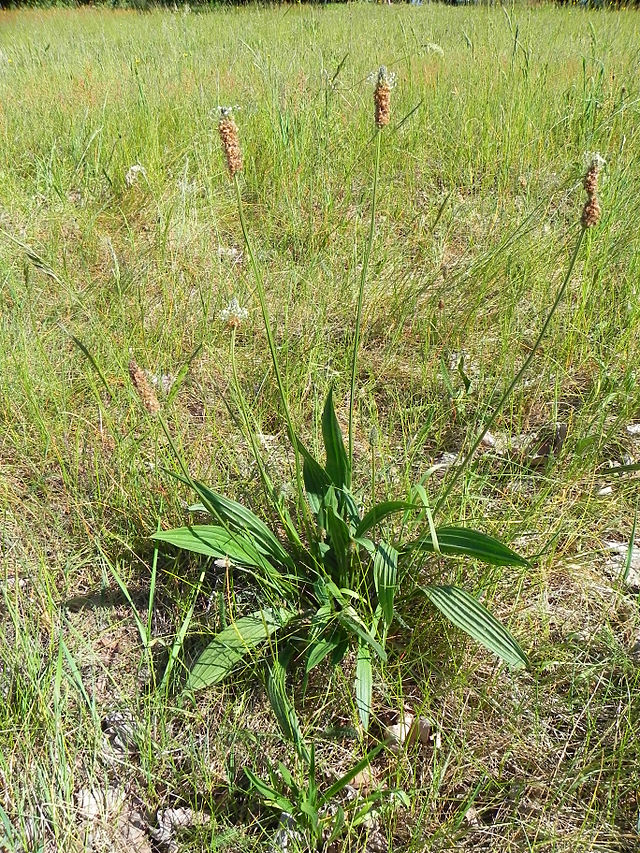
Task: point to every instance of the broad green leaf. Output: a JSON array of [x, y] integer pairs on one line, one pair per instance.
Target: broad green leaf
[[228, 647], [241, 518], [381, 511], [349, 507], [365, 543], [269, 794], [286, 775], [353, 623], [455, 541], [213, 541], [385, 578], [337, 459], [341, 648], [364, 683], [218, 542], [319, 650], [467, 613], [316, 479], [337, 827]]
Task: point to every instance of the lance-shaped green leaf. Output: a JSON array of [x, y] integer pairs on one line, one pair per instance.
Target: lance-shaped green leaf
[[218, 542], [228, 647], [457, 541], [381, 511], [316, 479], [385, 578], [239, 517], [343, 781], [364, 683], [214, 541], [269, 794], [337, 460], [467, 613]]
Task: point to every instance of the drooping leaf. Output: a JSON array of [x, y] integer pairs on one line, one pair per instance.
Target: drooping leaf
[[228, 647], [385, 577], [240, 518], [214, 541], [456, 541], [365, 543], [337, 459], [364, 683], [342, 647], [467, 613], [381, 511]]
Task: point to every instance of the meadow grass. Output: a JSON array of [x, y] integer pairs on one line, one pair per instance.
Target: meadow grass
[[479, 200]]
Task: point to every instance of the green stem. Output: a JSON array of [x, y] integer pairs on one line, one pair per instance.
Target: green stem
[[490, 420], [270, 339], [363, 278]]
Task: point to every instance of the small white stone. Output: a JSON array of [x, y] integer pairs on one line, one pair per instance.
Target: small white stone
[[604, 491], [397, 734], [488, 440]]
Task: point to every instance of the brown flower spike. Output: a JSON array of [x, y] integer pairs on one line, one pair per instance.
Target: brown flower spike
[[228, 130], [144, 388], [592, 212], [382, 95]]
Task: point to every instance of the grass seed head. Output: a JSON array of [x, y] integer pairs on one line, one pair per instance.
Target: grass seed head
[[144, 388], [228, 130]]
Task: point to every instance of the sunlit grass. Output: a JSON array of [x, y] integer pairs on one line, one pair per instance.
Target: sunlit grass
[[479, 200]]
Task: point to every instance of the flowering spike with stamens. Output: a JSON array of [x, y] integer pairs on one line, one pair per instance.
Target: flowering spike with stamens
[[233, 315], [228, 130], [592, 212], [385, 81], [143, 387]]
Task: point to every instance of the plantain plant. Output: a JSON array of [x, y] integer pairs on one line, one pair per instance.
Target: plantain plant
[[334, 587]]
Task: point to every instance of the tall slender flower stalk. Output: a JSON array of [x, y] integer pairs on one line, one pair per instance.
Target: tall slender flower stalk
[[384, 81], [590, 216], [229, 137]]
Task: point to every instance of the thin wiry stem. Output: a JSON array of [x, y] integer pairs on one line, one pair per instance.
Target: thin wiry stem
[[490, 420], [270, 339], [363, 278]]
